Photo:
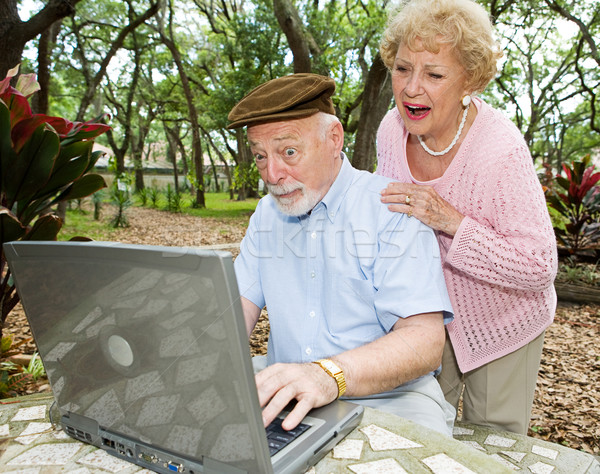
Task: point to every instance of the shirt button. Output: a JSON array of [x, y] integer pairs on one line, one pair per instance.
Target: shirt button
[[312, 314], [313, 235], [313, 274], [308, 350]]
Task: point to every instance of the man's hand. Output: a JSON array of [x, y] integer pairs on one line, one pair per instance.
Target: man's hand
[[279, 384]]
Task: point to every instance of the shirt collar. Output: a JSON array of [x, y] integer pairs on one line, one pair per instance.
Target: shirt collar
[[335, 196]]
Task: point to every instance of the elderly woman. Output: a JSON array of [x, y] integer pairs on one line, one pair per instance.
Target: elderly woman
[[464, 169]]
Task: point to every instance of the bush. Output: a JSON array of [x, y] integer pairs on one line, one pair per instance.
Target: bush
[[120, 197], [576, 199], [154, 195], [43, 161]]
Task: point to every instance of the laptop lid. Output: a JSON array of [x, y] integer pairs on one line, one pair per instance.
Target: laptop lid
[[146, 351]]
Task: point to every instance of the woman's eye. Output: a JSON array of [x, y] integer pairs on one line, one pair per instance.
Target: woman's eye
[[435, 76]]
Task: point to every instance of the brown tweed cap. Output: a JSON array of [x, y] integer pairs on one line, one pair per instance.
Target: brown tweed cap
[[284, 98]]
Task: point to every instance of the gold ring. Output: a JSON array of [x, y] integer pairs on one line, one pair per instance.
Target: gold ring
[[409, 214], [407, 200]]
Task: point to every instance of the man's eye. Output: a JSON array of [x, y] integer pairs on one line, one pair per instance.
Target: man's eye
[[258, 157], [289, 152], [435, 76]]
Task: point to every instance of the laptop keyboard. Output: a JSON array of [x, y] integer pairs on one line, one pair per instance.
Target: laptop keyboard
[[278, 438]]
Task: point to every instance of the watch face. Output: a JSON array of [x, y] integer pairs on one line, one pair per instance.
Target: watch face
[[330, 366]]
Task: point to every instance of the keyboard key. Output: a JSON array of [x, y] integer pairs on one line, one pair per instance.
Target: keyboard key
[[278, 438]]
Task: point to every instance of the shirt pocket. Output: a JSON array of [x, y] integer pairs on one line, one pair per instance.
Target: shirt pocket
[[351, 318]]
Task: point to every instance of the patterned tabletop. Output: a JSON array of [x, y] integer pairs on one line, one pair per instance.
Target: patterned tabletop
[[383, 443]]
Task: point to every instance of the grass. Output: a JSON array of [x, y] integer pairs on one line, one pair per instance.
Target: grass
[[219, 205], [81, 222]]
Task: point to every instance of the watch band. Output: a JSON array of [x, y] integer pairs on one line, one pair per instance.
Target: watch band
[[334, 371]]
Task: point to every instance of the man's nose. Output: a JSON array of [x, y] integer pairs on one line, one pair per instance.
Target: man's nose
[[275, 170]]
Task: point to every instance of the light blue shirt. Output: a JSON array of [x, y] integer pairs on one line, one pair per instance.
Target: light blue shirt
[[340, 277]]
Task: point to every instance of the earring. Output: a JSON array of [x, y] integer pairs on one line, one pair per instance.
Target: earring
[[466, 100]]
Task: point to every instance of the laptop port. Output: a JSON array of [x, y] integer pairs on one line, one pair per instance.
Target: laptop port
[[149, 458], [108, 442], [174, 466]]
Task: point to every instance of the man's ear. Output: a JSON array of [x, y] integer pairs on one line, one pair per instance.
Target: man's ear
[[336, 134]]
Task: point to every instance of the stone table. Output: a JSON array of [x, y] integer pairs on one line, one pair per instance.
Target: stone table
[[383, 443]]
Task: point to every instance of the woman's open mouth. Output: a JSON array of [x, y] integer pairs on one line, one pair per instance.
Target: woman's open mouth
[[416, 111]]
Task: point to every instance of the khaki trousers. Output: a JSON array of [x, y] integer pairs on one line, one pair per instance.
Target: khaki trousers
[[498, 394]]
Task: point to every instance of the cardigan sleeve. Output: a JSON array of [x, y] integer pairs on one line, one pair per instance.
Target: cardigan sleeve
[[512, 244]]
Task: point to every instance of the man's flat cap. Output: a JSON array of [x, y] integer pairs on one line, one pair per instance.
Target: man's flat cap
[[284, 98]]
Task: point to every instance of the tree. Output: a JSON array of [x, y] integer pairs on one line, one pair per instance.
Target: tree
[[358, 26], [200, 57], [168, 39], [300, 41], [375, 104], [93, 75], [15, 33], [546, 75]]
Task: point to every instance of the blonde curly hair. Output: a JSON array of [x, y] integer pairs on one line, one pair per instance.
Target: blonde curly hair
[[462, 24]]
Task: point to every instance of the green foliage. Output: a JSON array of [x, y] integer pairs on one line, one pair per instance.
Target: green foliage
[[547, 83], [120, 196], [154, 196], [576, 198], [143, 196], [11, 382], [574, 272], [246, 174], [547, 77], [35, 368], [174, 200], [14, 377], [97, 200], [84, 224], [44, 160]]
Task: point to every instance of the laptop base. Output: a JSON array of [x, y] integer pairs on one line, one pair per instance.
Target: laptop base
[[137, 452]]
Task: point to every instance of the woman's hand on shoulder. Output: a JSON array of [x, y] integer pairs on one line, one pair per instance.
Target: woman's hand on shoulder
[[424, 203]]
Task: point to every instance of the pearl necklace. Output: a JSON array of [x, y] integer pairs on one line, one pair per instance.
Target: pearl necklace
[[456, 137]]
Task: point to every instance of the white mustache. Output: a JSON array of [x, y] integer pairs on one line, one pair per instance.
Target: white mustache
[[286, 188]]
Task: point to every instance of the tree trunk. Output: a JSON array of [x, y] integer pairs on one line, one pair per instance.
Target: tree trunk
[[193, 113], [376, 101], [39, 102], [244, 163], [176, 143], [14, 33], [214, 170], [299, 40], [119, 151], [171, 154]]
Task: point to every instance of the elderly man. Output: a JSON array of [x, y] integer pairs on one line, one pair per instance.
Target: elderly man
[[355, 293]]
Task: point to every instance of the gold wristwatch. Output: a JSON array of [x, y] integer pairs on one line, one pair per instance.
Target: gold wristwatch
[[334, 371]]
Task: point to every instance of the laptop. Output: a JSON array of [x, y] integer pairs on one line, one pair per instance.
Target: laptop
[[147, 355]]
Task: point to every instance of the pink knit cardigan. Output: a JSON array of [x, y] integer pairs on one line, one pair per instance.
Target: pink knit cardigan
[[500, 265]]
